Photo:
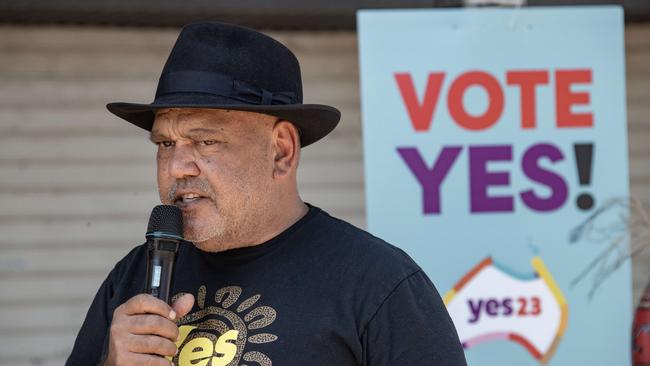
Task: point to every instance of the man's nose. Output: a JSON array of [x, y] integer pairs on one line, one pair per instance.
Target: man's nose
[[183, 162]]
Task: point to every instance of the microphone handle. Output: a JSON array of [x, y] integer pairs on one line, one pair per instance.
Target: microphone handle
[[160, 267]]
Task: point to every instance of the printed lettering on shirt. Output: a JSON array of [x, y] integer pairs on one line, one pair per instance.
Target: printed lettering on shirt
[[225, 330]]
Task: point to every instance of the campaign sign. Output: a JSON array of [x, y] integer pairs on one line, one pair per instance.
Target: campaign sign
[[496, 156]]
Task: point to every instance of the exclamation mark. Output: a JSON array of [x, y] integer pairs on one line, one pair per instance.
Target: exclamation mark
[[584, 154]]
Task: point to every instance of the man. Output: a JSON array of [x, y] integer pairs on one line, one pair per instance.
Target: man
[[268, 279]]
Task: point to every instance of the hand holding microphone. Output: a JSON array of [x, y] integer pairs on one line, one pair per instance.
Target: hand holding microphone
[[143, 329]]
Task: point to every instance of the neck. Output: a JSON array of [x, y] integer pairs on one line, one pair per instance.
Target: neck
[[287, 215]]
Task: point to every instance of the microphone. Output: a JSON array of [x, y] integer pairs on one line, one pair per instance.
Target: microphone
[[164, 234]]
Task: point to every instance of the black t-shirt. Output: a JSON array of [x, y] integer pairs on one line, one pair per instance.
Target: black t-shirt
[[323, 292]]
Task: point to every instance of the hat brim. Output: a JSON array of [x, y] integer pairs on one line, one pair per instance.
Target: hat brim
[[314, 121]]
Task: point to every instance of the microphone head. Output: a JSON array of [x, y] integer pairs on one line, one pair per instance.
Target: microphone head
[[166, 221]]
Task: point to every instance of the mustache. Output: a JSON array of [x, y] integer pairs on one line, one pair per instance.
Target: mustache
[[196, 184]]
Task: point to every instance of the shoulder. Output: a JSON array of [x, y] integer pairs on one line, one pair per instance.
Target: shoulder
[[134, 257], [352, 238], [376, 258], [128, 271], [364, 267]]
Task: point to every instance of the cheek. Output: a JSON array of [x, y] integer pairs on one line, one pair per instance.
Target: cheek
[[232, 177], [165, 181], [217, 172]]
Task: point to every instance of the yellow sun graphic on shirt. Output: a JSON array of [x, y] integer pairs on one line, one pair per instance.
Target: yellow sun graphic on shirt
[[219, 335]]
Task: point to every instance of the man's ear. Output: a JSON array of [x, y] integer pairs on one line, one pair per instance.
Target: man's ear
[[286, 148]]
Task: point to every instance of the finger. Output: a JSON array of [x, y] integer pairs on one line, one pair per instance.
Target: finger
[[149, 360], [183, 305], [147, 304], [152, 345], [153, 325]]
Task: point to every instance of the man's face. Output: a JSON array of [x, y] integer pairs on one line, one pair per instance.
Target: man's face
[[217, 166]]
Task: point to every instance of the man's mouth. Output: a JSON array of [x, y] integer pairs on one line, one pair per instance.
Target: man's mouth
[[187, 199]]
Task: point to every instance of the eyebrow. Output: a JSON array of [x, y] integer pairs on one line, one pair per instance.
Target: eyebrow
[[155, 136], [202, 131]]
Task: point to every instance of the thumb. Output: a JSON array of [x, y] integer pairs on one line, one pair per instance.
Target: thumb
[[183, 305]]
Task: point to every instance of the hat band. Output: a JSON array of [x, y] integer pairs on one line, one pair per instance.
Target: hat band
[[220, 85]]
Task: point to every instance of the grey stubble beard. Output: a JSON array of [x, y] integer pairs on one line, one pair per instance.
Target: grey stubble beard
[[201, 185]]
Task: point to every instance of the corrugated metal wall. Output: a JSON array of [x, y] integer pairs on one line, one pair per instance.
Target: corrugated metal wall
[[77, 184]]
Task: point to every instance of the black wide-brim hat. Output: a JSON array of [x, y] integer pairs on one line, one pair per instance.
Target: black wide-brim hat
[[225, 66]]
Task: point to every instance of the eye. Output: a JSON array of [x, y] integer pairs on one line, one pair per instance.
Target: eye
[[209, 142], [166, 143]]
